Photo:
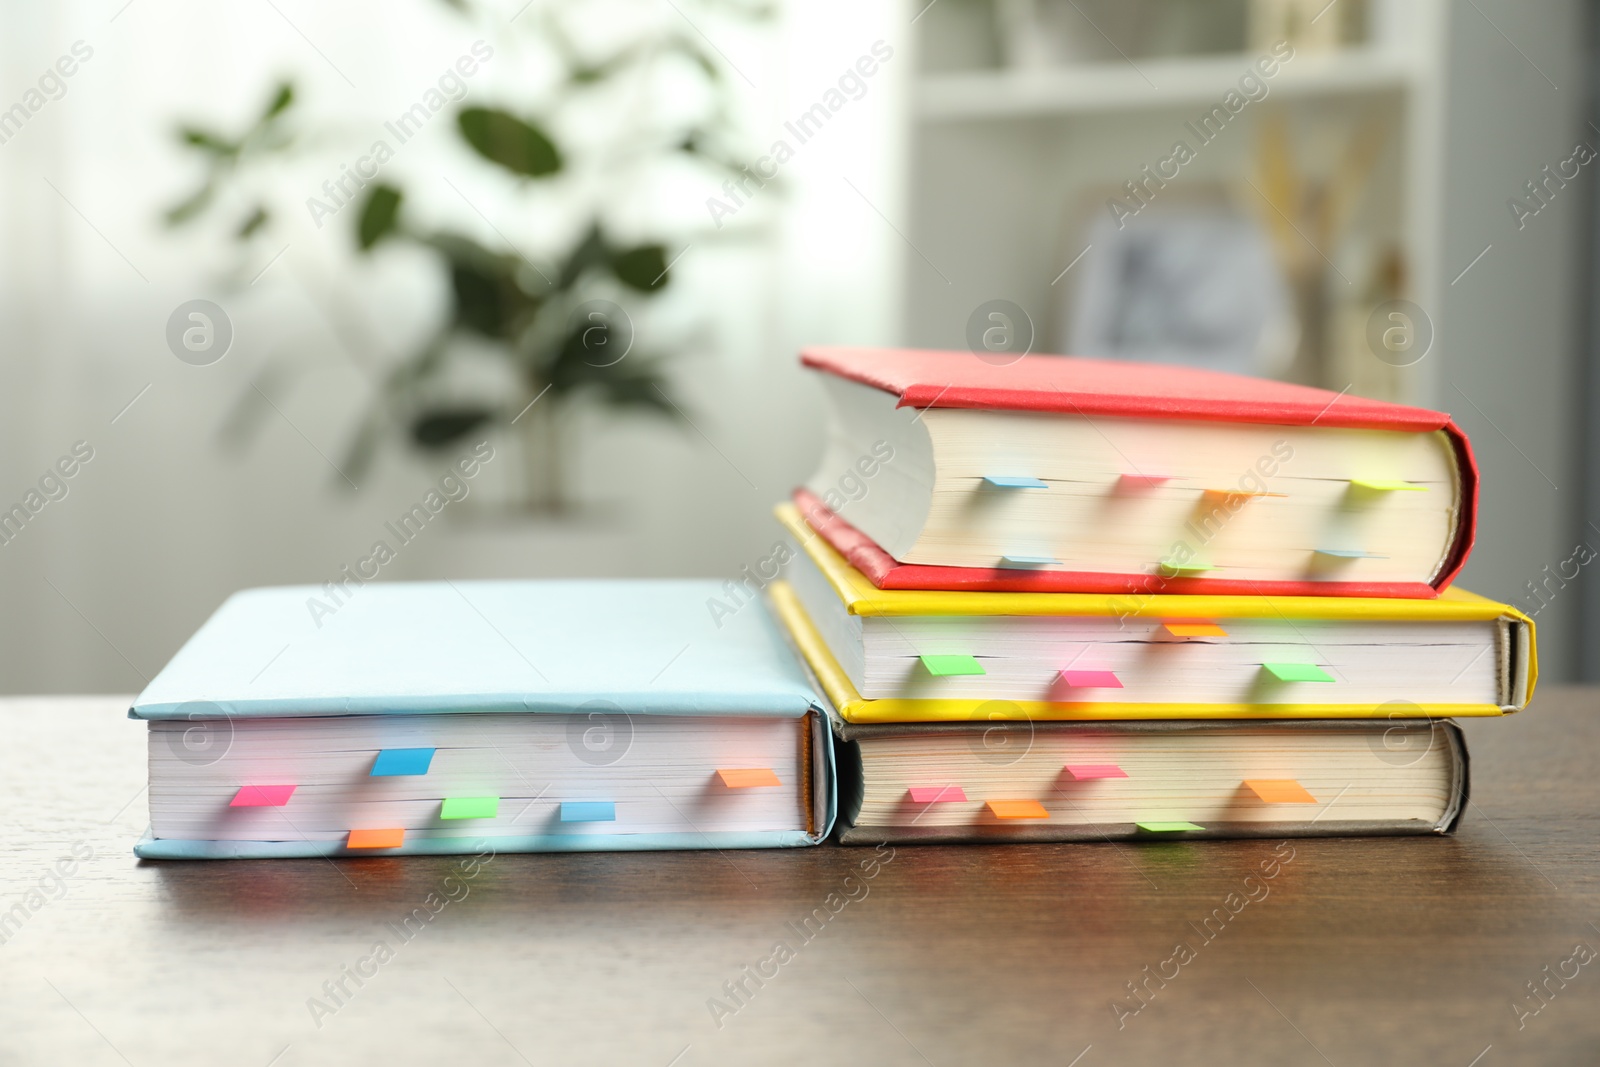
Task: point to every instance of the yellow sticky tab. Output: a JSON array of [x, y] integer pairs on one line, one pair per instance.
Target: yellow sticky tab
[[1386, 485], [1017, 809], [1279, 790], [1193, 628]]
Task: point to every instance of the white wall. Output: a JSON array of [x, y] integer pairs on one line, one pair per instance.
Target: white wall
[[1509, 333]]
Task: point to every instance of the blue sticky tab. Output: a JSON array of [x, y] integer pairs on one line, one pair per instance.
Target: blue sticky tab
[[1347, 553], [393, 762], [588, 811], [1014, 481], [1027, 561]]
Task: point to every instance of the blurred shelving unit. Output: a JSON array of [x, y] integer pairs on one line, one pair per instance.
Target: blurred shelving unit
[[1005, 166], [1101, 88]]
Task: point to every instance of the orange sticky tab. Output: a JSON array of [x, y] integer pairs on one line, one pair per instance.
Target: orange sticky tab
[[747, 777], [1018, 809], [376, 839], [1193, 628], [1237, 494], [1279, 791]]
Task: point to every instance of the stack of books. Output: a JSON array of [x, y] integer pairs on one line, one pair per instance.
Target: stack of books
[[1064, 599], [1052, 600]]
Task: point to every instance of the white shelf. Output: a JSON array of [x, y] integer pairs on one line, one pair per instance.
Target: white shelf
[[1148, 84]]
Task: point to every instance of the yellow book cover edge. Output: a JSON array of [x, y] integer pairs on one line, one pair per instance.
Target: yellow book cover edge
[[853, 707], [861, 597]]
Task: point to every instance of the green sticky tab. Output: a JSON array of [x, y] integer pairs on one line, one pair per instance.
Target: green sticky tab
[[1175, 570], [1387, 485], [470, 808], [1167, 827], [946, 666], [1297, 672]]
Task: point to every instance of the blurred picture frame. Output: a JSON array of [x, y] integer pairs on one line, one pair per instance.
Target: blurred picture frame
[[1191, 279]]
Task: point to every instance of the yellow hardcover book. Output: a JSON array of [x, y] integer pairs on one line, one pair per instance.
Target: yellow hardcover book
[[915, 655]]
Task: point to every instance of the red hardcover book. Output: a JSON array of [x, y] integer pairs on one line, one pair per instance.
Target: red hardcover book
[[1148, 427]]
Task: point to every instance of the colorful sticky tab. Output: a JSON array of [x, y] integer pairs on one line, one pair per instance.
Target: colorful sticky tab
[[1142, 481], [1091, 679], [1027, 561], [1238, 494], [394, 762], [1297, 672], [1279, 790], [1192, 628], [1179, 570], [376, 838], [747, 777], [1346, 553], [1018, 809], [1085, 772], [469, 808], [262, 796], [947, 666], [1386, 485], [937, 794], [588, 811], [1014, 481], [1167, 827]]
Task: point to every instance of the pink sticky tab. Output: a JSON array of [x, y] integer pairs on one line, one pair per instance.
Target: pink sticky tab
[[937, 794], [1091, 679], [1084, 772], [262, 796], [1143, 481]]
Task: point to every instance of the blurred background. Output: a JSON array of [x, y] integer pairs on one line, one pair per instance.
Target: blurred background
[[271, 270]]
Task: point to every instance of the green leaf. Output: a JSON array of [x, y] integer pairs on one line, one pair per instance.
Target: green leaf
[[485, 304], [444, 426], [502, 138], [709, 66], [363, 447], [488, 298], [635, 381], [257, 219], [280, 102], [190, 206], [380, 216], [207, 142], [574, 364], [643, 268], [639, 383], [590, 252]]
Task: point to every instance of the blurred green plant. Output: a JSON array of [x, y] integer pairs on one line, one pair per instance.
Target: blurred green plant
[[528, 316]]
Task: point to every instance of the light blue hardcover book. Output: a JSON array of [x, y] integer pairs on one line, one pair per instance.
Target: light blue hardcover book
[[449, 717]]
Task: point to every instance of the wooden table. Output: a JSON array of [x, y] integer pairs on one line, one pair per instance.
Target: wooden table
[[1381, 951]]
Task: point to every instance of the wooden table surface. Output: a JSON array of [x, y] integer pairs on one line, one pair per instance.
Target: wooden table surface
[[1379, 951]]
